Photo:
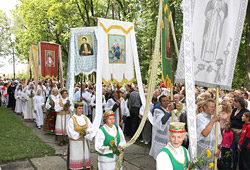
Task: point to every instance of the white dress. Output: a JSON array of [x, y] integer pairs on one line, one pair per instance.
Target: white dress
[[163, 160], [79, 156], [19, 104], [62, 118], [104, 162], [29, 105], [38, 104], [159, 132]]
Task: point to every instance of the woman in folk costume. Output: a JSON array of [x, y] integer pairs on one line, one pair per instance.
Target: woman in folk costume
[[80, 131], [174, 156], [50, 117], [63, 110], [4, 91], [29, 104], [108, 141], [38, 108], [18, 97]]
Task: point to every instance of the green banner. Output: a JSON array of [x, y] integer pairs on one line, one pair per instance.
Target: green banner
[[167, 75]]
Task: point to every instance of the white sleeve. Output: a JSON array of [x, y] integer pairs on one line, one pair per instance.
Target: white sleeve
[[99, 139], [200, 126], [157, 120], [163, 162], [91, 130], [35, 103], [70, 130], [109, 105], [58, 108]]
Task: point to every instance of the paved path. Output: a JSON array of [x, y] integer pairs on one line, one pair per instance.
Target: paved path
[[135, 158]]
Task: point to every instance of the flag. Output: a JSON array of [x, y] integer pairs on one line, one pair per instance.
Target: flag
[[48, 60], [216, 34], [116, 52], [167, 75]]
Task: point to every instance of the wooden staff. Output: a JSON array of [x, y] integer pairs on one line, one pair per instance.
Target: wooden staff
[[216, 128], [172, 100]]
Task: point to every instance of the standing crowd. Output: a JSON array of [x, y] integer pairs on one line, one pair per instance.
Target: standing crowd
[[49, 107]]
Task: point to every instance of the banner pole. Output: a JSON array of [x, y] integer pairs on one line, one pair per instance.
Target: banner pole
[[174, 37], [172, 101], [61, 69], [216, 128]]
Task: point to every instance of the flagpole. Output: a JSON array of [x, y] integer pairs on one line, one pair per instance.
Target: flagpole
[[174, 37], [216, 128], [172, 100]]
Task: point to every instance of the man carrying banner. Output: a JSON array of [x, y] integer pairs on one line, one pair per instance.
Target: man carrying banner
[[205, 122], [160, 125], [83, 96]]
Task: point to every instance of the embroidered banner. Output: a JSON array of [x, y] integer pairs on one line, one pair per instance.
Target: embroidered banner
[[167, 72], [216, 33], [82, 54], [48, 60], [116, 50]]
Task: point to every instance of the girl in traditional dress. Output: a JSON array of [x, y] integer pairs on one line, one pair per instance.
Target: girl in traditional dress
[[174, 156], [109, 134], [80, 131], [18, 97], [50, 117], [38, 108], [63, 111]]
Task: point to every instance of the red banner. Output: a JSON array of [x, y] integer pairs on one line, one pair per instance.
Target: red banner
[[48, 60]]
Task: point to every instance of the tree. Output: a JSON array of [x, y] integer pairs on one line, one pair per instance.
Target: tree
[[4, 37]]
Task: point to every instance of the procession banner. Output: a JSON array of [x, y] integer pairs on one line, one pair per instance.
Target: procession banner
[[48, 60], [117, 51], [82, 54], [216, 34], [167, 75]]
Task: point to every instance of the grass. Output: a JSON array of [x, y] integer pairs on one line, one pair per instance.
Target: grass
[[17, 141]]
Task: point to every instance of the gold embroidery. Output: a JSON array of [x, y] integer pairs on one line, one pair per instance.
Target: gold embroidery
[[77, 127], [116, 27]]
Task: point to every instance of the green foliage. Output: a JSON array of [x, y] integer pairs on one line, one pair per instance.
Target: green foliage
[[4, 36], [51, 20], [17, 141]]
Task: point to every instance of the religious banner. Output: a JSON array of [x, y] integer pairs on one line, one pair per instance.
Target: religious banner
[[116, 51], [82, 54], [216, 34], [83, 47], [167, 74], [48, 60]]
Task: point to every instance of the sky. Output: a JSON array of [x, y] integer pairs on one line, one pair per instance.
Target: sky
[[6, 6]]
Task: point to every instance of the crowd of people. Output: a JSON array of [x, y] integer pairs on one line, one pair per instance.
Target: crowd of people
[[49, 107]]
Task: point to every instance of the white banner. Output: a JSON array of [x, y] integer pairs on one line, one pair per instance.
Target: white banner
[[116, 50], [216, 33]]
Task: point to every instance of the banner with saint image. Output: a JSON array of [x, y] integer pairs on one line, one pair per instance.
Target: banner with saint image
[[216, 34], [116, 51], [48, 60]]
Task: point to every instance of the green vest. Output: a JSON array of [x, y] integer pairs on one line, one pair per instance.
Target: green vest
[[107, 140], [177, 165]]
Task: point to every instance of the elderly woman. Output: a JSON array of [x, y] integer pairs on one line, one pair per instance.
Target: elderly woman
[[63, 110], [50, 117], [109, 134], [174, 156], [79, 130]]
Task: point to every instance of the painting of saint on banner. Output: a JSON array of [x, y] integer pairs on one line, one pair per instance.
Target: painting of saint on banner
[[85, 45], [50, 58], [117, 49]]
